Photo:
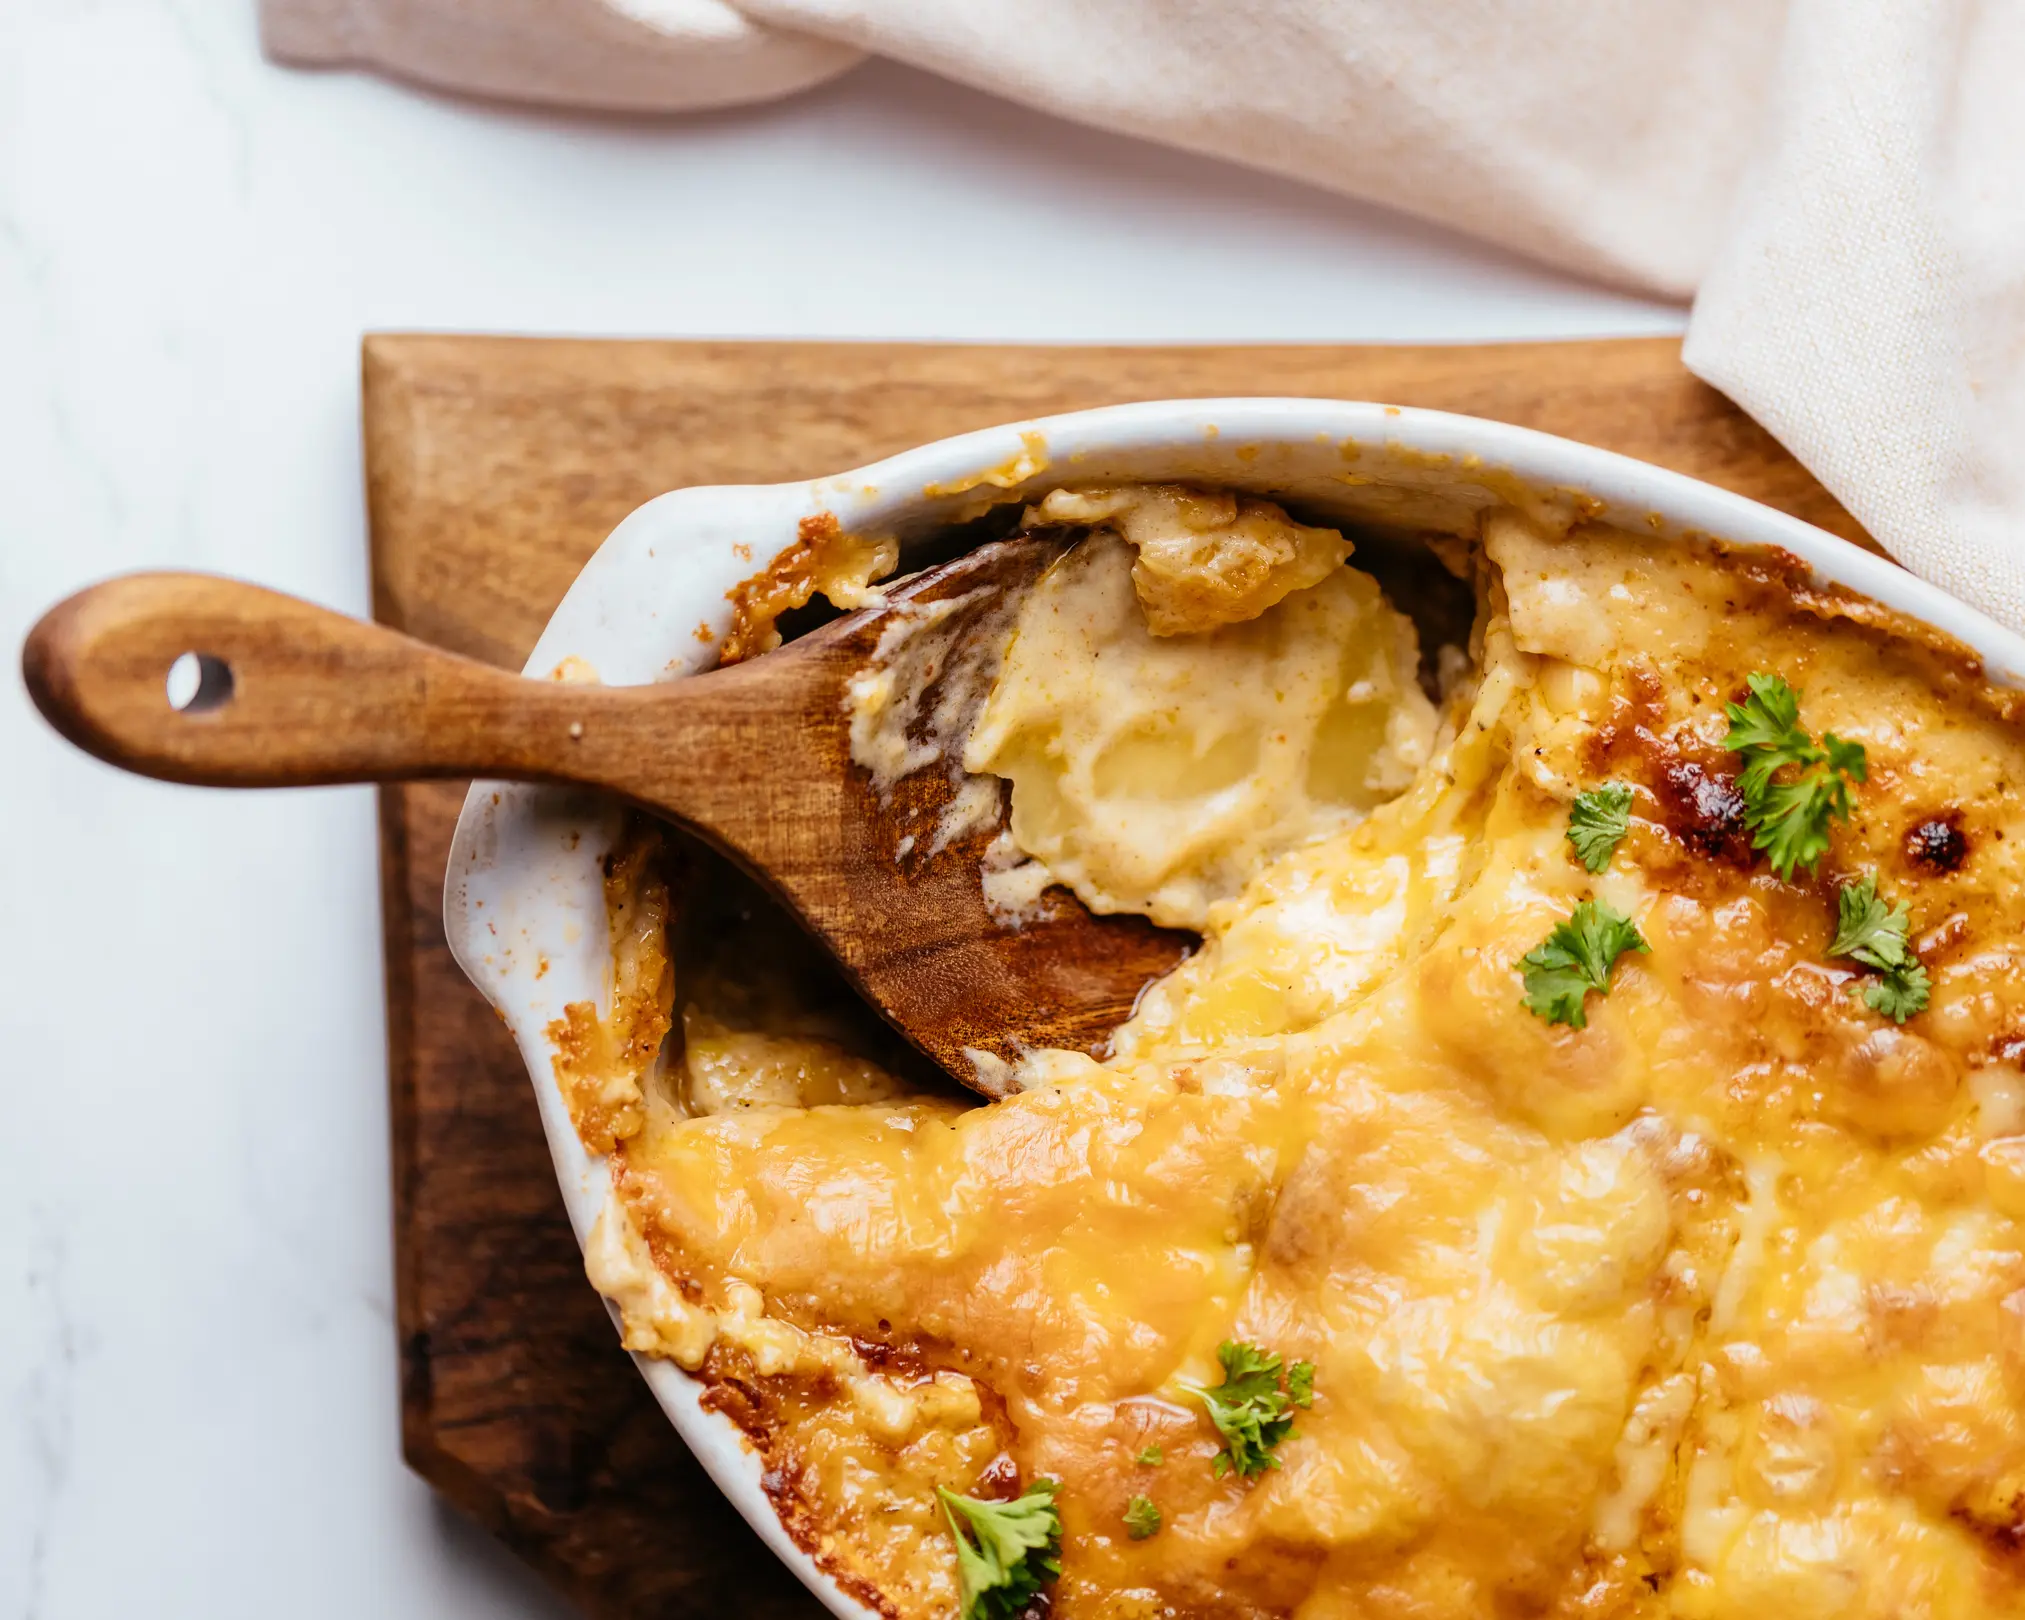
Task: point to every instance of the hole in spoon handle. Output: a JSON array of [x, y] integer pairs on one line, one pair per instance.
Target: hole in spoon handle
[[193, 678], [198, 683]]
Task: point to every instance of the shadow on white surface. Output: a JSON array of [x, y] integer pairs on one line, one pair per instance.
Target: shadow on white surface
[[890, 203]]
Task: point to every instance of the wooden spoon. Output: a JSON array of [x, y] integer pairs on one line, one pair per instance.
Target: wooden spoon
[[755, 759]]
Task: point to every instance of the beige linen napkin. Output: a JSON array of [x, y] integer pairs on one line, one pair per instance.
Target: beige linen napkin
[[1839, 184]]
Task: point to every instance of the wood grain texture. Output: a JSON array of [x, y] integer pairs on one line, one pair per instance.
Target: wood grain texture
[[494, 467], [305, 695]]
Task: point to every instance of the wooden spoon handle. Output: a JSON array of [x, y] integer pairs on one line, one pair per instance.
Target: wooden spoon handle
[[287, 694]]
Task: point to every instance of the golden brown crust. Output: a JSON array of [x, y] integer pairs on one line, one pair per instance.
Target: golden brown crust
[[1785, 588], [1713, 1308], [754, 1404], [601, 1063], [823, 558]]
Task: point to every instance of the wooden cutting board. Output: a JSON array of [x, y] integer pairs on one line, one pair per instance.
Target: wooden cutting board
[[494, 466]]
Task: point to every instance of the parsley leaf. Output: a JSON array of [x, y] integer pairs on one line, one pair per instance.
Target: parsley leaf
[[1789, 820], [1576, 958], [1597, 823], [1142, 1518], [1876, 934], [1765, 728], [1152, 1457], [1250, 1410], [1867, 929], [1012, 1549], [1899, 994]]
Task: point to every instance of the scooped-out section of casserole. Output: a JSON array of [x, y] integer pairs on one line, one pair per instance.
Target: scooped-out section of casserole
[[1582, 1173]]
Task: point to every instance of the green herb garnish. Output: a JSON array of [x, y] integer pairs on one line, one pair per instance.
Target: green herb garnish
[[1879, 936], [1874, 933], [1152, 1457], [1575, 959], [1005, 1551], [1789, 819], [1250, 1409], [1597, 823], [1142, 1518], [1899, 994]]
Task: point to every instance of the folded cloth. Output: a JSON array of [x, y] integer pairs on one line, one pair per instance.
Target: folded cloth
[[1841, 189], [608, 55]]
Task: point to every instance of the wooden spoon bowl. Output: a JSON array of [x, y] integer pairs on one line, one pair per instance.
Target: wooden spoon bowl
[[755, 759]]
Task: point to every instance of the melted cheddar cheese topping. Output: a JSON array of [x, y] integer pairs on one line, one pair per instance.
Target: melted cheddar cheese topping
[[1713, 1308]]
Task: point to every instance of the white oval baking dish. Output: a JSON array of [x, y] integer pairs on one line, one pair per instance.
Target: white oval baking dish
[[524, 886]]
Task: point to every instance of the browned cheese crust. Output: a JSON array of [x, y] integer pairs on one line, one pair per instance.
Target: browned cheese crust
[[1713, 1308]]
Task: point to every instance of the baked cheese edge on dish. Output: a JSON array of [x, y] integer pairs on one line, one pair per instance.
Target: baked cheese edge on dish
[[1582, 1172]]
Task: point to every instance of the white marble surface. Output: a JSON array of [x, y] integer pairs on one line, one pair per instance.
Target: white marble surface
[[197, 1367]]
